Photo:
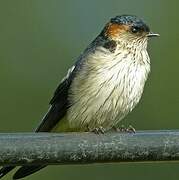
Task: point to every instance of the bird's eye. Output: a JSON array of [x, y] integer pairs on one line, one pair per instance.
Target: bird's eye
[[135, 29]]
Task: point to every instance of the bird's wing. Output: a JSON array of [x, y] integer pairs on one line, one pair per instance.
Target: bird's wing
[[59, 104]]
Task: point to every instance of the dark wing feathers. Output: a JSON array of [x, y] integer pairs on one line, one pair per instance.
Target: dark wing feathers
[[5, 169], [59, 104]]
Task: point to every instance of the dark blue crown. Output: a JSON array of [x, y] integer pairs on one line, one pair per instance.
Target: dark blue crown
[[130, 20]]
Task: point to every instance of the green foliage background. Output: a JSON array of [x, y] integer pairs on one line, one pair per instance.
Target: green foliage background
[[39, 41]]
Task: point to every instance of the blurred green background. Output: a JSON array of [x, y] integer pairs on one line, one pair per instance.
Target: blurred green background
[[40, 40]]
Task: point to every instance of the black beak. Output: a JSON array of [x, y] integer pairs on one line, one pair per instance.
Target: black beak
[[151, 34]]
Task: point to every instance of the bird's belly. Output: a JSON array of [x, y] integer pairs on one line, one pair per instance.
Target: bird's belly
[[105, 89], [102, 103]]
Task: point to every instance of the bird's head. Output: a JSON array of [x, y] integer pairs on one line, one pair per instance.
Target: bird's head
[[128, 29]]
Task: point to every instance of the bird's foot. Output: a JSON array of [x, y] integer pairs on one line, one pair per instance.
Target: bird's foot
[[129, 129], [98, 130]]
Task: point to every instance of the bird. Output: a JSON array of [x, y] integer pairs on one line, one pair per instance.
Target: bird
[[105, 83]]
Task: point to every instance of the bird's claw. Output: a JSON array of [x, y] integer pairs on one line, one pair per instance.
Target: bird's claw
[[99, 130], [129, 129]]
